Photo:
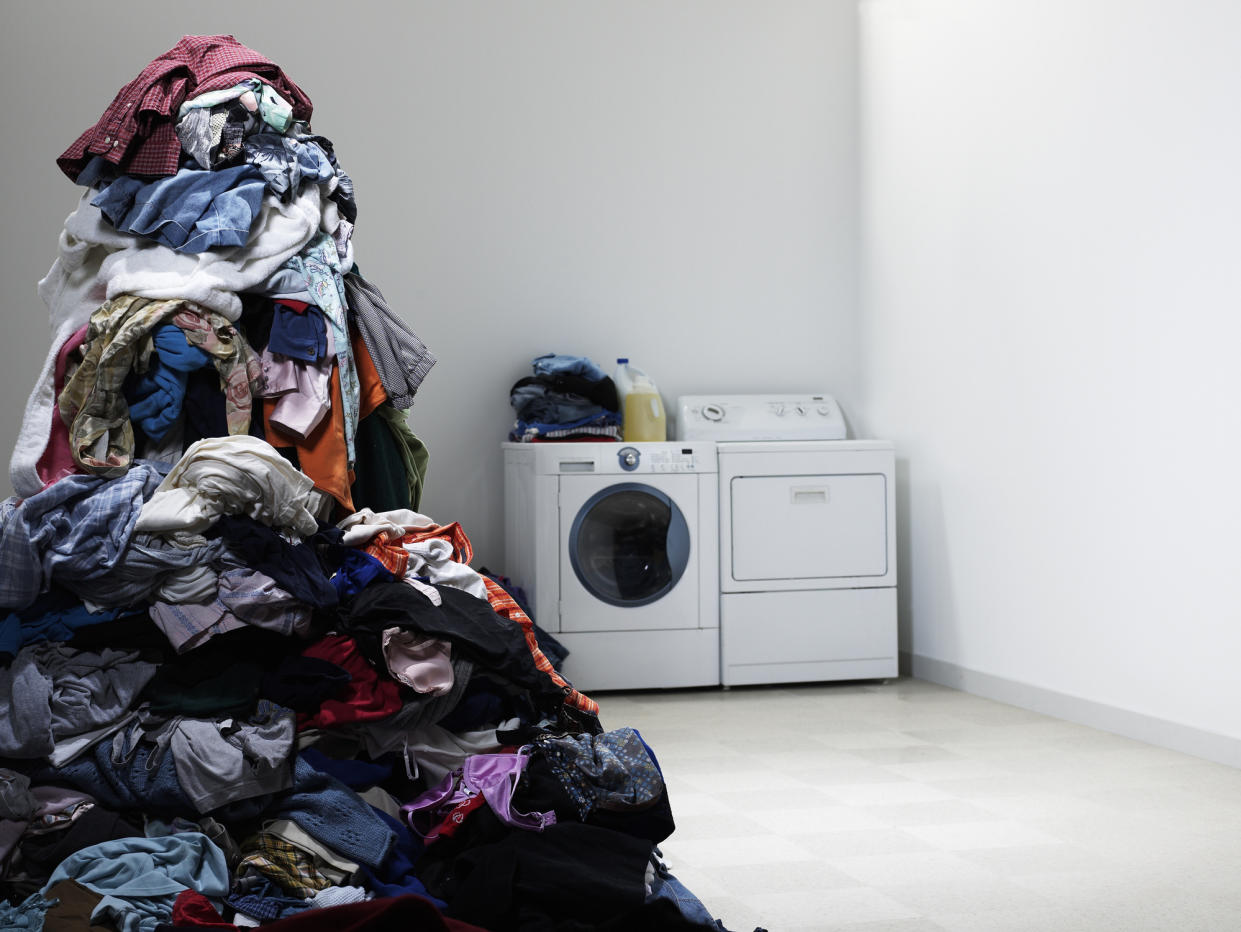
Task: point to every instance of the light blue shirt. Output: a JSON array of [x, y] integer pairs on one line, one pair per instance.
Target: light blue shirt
[[139, 878]]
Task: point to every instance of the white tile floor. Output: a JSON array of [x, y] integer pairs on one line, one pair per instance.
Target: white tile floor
[[909, 807]]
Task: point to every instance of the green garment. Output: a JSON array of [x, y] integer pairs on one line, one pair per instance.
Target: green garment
[[392, 462]]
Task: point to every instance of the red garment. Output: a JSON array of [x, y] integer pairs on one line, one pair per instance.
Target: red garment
[[137, 132], [367, 698], [191, 908], [406, 913], [455, 817], [57, 459]]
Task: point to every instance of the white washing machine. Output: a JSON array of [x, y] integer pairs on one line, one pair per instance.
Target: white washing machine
[[617, 546], [807, 539]]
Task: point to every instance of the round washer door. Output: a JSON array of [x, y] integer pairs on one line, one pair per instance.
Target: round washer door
[[629, 544]]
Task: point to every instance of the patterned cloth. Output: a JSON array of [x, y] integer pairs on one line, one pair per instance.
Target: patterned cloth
[[286, 864], [502, 604], [401, 357], [319, 263], [386, 548], [241, 373], [137, 133], [608, 771], [76, 531], [244, 597], [119, 340]]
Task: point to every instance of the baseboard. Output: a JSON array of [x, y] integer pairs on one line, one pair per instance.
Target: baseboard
[[1152, 730]]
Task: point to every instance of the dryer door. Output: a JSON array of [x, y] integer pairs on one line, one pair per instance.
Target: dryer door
[[626, 551]]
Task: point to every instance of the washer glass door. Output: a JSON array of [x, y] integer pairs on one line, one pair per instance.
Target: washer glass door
[[629, 544]]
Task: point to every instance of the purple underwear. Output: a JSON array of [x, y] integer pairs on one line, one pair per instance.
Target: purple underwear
[[492, 776]]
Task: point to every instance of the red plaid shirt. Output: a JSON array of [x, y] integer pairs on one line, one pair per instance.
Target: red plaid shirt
[[137, 132]]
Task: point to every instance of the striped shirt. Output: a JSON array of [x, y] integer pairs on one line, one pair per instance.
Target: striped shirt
[[401, 358]]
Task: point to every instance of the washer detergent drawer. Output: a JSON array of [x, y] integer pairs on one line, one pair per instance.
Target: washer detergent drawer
[[809, 527]]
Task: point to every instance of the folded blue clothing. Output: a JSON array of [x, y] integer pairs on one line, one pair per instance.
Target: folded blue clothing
[[535, 428], [191, 211], [298, 335], [539, 403], [559, 364]]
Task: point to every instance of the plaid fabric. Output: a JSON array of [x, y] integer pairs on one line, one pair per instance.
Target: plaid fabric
[[137, 133], [502, 604], [386, 548], [284, 863], [76, 530], [462, 550]]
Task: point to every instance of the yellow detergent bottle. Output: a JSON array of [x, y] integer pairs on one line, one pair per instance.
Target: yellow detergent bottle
[[642, 409]]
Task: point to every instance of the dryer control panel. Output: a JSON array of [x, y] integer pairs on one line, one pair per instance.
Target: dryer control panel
[[759, 417]]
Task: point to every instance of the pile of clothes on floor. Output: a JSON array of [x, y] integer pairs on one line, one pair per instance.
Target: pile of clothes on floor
[[568, 398], [244, 680]]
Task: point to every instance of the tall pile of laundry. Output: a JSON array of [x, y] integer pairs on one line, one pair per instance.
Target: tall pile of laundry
[[244, 681], [567, 398]]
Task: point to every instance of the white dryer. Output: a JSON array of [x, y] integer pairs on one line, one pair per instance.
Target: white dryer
[[807, 539], [616, 545]]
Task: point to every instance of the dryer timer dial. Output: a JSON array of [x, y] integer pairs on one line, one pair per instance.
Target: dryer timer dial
[[629, 457]]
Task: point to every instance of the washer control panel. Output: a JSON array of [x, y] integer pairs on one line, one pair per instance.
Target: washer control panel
[[760, 417]]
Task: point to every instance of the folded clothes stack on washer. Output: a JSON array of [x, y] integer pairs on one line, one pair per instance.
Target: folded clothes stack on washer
[[568, 398]]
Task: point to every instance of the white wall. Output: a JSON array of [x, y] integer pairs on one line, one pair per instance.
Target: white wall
[[670, 180], [1052, 213]]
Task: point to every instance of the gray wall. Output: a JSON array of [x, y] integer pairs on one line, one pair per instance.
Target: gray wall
[[1052, 209], [670, 181]]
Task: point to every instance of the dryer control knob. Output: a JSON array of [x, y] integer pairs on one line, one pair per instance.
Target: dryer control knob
[[713, 412], [629, 458], [801, 410]]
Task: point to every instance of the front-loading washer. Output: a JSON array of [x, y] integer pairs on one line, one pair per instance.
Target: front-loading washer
[[807, 539], [616, 545]]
